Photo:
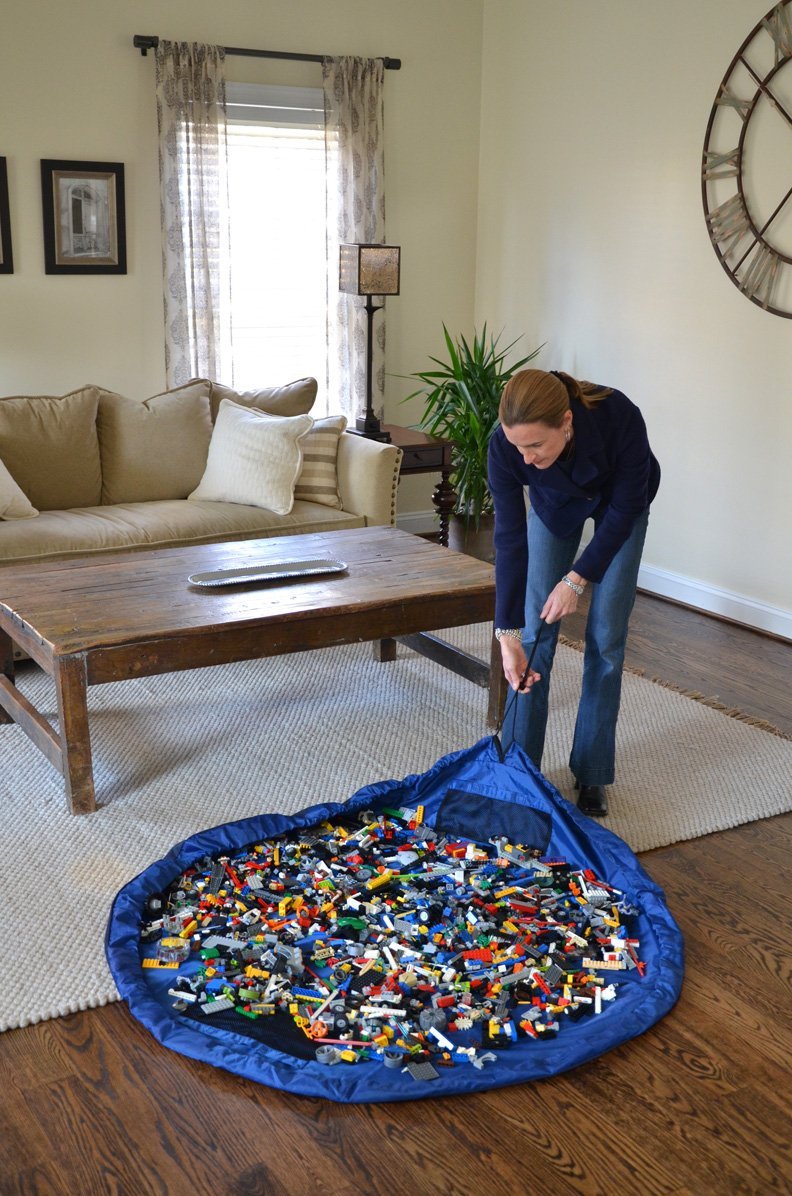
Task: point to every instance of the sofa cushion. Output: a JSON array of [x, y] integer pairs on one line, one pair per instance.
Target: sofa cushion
[[155, 448], [318, 480], [50, 447], [104, 529], [14, 503], [295, 398], [254, 458]]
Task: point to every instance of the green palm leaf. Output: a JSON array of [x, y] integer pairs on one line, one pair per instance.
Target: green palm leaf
[[461, 400]]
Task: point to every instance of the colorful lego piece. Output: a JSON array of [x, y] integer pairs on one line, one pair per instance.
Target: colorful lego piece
[[385, 944]]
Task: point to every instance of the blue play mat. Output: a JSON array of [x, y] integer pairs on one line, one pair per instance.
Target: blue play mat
[[457, 930]]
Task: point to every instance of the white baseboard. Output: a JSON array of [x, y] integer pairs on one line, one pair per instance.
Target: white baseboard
[[698, 594], [420, 523], [716, 601]]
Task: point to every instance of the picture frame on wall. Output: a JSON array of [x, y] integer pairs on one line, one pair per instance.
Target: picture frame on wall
[[84, 217], [6, 254]]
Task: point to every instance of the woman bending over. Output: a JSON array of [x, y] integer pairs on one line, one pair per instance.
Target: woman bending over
[[581, 452]]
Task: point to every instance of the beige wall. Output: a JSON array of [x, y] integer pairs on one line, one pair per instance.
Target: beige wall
[[592, 238], [73, 87]]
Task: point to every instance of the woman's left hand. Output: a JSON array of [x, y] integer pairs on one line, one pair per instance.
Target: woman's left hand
[[561, 601]]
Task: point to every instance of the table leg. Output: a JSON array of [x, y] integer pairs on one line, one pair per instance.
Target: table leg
[[8, 668], [71, 688], [385, 650], [444, 499]]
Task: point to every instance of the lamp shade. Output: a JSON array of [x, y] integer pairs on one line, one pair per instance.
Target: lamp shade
[[369, 269]]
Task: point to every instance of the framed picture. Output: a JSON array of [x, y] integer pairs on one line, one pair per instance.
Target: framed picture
[[84, 217], [6, 256]]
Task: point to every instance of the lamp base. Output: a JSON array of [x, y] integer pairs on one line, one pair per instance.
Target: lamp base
[[370, 427]]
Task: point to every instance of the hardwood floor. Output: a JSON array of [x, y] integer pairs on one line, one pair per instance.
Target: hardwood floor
[[700, 654], [697, 1106]]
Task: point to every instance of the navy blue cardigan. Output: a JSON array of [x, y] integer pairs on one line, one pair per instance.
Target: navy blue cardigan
[[612, 477]]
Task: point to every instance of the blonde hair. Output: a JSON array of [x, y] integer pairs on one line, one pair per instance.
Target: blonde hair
[[539, 397]]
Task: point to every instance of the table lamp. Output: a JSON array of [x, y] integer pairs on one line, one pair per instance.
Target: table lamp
[[369, 270]]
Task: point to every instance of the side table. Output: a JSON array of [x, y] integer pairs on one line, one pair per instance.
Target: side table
[[427, 454]]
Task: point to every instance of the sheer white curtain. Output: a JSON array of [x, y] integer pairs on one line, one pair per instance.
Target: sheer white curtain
[[355, 178], [191, 115], [196, 215]]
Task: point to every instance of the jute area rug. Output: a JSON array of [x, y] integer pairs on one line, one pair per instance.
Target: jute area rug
[[180, 753]]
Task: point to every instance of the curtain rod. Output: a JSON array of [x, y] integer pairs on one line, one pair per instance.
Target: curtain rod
[[146, 41]]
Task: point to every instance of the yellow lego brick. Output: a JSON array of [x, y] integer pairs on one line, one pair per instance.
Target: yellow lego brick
[[376, 882]]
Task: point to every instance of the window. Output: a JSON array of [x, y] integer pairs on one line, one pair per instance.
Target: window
[[279, 230]]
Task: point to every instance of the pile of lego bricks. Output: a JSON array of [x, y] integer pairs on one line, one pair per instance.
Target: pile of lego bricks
[[383, 941]]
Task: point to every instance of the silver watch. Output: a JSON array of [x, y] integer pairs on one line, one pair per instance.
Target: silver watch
[[513, 633]]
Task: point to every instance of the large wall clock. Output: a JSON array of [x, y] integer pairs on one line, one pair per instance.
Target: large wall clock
[[746, 169]]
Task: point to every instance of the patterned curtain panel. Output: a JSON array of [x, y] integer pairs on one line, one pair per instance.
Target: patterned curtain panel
[[353, 89], [191, 114]]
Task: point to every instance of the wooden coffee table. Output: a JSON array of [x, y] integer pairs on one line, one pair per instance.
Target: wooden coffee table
[[91, 620]]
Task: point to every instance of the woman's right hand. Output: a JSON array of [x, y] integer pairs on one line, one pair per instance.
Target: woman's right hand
[[515, 662]]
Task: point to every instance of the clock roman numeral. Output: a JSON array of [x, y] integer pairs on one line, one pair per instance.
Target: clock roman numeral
[[721, 166], [727, 100], [779, 26], [759, 277], [728, 224]]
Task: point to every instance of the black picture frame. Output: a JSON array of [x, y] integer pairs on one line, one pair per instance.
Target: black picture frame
[[6, 252], [84, 217]]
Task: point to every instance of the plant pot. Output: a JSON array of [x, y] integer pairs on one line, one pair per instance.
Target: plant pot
[[472, 540]]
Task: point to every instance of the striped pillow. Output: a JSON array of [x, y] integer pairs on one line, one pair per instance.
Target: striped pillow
[[318, 481]]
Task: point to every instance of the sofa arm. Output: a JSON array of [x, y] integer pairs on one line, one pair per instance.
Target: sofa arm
[[368, 477]]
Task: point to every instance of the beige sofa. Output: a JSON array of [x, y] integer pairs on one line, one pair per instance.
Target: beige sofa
[[94, 472]]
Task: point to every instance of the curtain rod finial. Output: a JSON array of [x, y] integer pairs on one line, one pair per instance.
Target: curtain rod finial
[[145, 42]]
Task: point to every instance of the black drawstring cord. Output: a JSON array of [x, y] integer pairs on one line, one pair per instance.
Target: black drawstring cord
[[514, 694]]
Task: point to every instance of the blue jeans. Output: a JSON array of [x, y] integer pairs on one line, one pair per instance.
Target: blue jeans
[[592, 758]]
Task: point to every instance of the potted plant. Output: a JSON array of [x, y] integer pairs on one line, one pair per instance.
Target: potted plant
[[461, 400]]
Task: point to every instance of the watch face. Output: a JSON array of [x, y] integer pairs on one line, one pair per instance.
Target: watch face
[[746, 171]]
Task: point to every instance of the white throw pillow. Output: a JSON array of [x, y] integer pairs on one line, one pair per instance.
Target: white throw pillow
[[318, 480], [253, 458], [14, 503]]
